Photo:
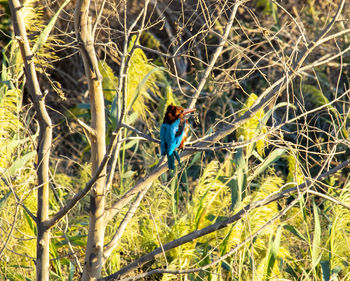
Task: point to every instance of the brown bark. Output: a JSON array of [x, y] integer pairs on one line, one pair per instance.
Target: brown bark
[[93, 255], [44, 142]]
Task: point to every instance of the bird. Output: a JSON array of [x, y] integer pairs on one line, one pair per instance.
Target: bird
[[173, 133]]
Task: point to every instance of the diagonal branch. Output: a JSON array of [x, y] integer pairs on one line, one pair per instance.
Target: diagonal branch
[[117, 235], [219, 225], [223, 257], [70, 204], [216, 54], [329, 198]]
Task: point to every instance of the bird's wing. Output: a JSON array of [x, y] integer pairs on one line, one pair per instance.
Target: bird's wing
[[180, 128], [177, 133], [163, 143], [171, 136]]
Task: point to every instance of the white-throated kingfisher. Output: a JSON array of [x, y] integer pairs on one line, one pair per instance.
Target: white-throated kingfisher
[[173, 133]]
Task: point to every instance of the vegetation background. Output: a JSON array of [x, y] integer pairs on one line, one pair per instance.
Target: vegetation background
[[263, 192]]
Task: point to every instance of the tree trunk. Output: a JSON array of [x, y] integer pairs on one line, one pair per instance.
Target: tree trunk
[[94, 249], [44, 142]]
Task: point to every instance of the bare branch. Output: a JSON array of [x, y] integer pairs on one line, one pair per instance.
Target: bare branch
[[266, 97], [219, 225], [147, 137], [117, 235], [70, 204], [216, 54]]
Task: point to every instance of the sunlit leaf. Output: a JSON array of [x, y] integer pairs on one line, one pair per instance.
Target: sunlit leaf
[[273, 252], [316, 243], [271, 158], [128, 174], [294, 231], [20, 163]]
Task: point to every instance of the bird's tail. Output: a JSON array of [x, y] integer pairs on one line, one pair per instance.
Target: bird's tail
[[171, 161], [177, 157]]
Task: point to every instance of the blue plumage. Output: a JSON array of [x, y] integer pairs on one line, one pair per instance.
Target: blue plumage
[[171, 136], [173, 133]]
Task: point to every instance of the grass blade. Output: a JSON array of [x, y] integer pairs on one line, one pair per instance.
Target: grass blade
[[241, 174], [317, 237], [273, 251], [326, 272], [71, 271], [19, 163], [142, 84], [272, 157], [294, 231]]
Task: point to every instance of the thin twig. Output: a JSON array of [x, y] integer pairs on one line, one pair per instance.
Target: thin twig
[[11, 230], [70, 204], [329, 198], [20, 202], [138, 132], [97, 19], [216, 54]]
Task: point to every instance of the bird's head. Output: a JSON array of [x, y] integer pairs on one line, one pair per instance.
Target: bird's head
[[174, 112]]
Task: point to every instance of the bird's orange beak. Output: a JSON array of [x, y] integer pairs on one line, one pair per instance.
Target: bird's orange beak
[[188, 110]]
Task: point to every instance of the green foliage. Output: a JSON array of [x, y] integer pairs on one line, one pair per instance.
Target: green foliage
[[253, 127], [109, 81], [316, 242], [142, 77], [269, 8], [149, 40], [294, 170], [273, 252], [45, 32], [339, 234], [4, 22], [17, 171]]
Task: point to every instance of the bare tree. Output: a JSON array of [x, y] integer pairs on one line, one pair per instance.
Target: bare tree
[[94, 248]]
